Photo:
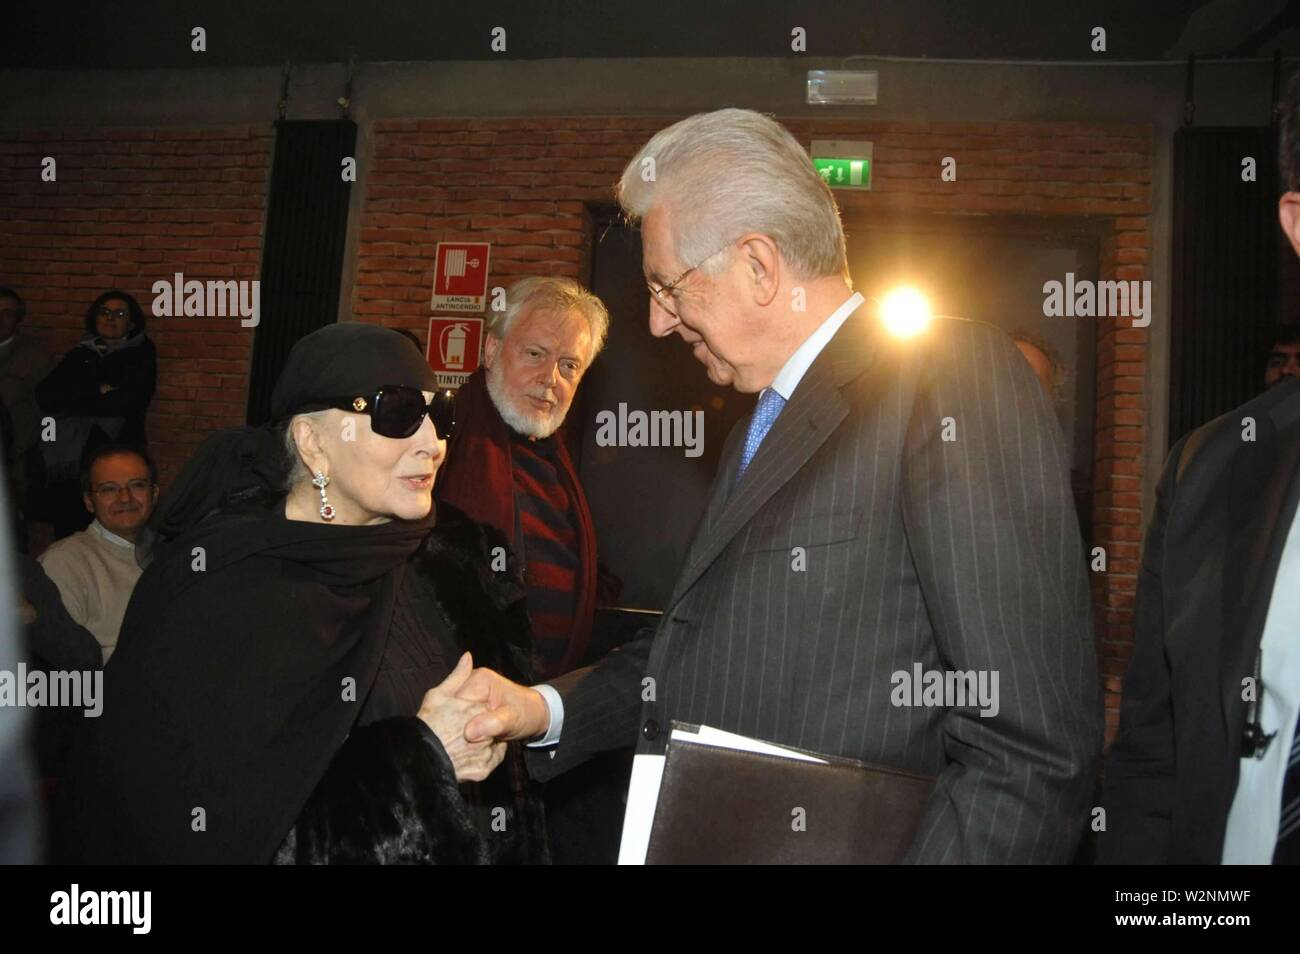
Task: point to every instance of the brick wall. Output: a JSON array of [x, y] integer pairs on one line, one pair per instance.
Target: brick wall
[[524, 185], [130, 207]]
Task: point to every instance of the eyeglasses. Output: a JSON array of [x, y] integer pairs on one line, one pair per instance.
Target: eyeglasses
[[397, 411], [663, 294], [114, 313], [137, 486]]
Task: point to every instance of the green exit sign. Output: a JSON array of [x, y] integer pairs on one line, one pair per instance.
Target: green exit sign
[[844, 173]]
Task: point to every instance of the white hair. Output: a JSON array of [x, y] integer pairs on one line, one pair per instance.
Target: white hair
[[733, 171], [552, 294]]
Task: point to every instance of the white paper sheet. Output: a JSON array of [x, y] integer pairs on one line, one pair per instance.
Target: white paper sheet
[[642, 797]]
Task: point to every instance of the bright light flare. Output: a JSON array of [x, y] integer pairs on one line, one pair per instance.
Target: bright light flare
[[906, 312]]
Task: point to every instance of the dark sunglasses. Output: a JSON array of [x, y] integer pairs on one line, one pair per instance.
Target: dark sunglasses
[[397, 411]]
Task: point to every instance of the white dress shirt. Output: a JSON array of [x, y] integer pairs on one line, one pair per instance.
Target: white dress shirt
[[1251, 835], [109, 535], [792, 372], [786, 380]]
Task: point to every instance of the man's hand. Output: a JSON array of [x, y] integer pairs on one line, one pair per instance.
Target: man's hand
[[512, 711], [447, 715]]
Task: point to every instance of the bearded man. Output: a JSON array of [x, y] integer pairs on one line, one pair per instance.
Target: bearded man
[[507, 464]]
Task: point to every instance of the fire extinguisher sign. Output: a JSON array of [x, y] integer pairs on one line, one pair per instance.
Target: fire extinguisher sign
[[460, 274], [455, 348]]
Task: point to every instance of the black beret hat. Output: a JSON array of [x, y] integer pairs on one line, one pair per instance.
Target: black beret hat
[[344, 360]]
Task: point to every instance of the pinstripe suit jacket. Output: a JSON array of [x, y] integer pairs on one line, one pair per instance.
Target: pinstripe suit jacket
[[957, 554]]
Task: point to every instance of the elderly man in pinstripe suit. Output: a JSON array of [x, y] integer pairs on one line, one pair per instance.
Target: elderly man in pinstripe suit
[[890, 503]]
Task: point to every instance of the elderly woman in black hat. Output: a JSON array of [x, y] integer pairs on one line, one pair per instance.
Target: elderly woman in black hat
[[284, 684]]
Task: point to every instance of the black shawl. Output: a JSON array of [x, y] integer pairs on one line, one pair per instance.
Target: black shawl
[[390, 795], [245, 656]]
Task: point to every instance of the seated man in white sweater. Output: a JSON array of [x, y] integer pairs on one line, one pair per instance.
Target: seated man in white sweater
[[96, 570]]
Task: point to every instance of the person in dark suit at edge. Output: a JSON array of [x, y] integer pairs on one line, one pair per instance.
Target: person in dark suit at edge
[[926, 483], [1205, 768]]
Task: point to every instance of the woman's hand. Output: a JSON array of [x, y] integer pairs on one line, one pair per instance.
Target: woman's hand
[[447, 716]]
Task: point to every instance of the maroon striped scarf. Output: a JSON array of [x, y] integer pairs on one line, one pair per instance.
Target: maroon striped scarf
[[478, 477]]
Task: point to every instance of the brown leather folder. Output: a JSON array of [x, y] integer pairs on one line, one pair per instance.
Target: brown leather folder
[[722, 806]]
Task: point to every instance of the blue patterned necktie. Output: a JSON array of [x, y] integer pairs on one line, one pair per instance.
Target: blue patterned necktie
[[765, 415]]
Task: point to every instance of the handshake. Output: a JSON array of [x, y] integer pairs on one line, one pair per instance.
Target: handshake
[[475, 712]]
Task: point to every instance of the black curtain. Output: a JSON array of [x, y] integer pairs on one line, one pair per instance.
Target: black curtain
[[302, 252], [1225, 271]]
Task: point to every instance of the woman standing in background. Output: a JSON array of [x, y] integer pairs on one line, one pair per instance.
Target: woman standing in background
[[100, 391]]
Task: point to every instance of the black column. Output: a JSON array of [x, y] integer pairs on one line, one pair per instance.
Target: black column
[[1225, 258], [302, 254]]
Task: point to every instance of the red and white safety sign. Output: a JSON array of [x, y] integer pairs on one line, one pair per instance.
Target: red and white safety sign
[[460, 274], [455, 349]]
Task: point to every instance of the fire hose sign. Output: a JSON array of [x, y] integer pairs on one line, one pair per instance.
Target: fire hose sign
[[460, 274], [455, 348]]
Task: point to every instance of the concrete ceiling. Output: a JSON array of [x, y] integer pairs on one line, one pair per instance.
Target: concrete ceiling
[[59, 34]]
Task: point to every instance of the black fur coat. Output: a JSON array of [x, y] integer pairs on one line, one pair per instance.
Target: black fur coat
[[389, 796]]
